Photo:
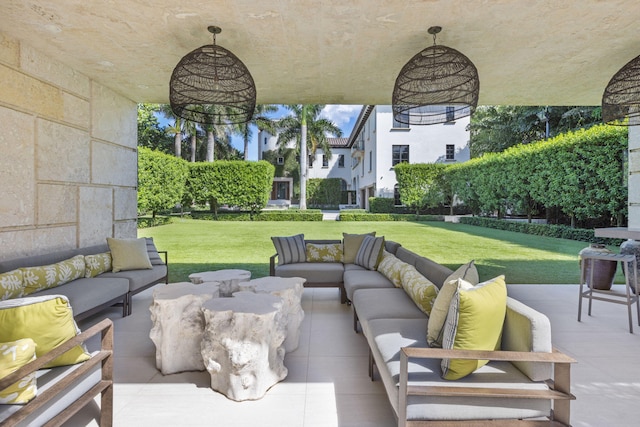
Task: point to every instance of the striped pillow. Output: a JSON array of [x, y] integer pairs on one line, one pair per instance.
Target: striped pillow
[[370, 252], [290, 249]]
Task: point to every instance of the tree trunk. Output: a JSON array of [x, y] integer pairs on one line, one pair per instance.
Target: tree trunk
[[304, 158], [246, 142], [194, 143], [210, 145], [177, 145]]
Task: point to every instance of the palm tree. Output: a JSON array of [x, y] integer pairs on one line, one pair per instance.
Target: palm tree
[[310, 133], [259, 120], [215, 132], [176, 129], [192, 129]]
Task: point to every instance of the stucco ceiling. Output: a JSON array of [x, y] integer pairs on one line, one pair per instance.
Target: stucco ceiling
[[528, 52]]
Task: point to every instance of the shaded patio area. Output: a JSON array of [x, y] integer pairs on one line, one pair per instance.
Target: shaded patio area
[[327, 384]]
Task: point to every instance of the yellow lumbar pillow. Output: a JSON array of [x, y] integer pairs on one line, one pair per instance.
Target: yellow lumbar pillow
[[391, 267], [129, 254], [49, 276], [11, 284], [324, 252], [475, 321], [13, 356], [419, 288], [97, 264], [47, 320]]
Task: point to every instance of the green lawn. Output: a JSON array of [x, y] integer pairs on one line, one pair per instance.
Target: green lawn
[[196, 245]]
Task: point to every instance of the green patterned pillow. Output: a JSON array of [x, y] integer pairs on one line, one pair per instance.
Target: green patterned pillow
[[419, 288], [13, 356], [324, 252], [97, 264], [391, 267], [11, 285], [49, 276]]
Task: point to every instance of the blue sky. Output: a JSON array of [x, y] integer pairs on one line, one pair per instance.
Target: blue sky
[[344, 116]]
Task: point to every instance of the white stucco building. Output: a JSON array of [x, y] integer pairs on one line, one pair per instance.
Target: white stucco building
[[378, 143]]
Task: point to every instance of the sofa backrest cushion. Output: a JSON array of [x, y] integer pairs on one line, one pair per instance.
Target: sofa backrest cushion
[[526, 329], [391, 246], [433, 271], [406, 255]]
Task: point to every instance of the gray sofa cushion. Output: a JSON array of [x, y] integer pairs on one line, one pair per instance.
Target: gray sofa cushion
[[433, 271], [391, 303], [139, 279], [387, 336], [363, 279], [85, 294], [314, 272], [406, 255], [391, 246]]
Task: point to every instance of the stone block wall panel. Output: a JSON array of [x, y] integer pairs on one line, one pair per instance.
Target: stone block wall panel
[[16, 168], [68, 162], [57, 204], [95, 215], [62, 153]]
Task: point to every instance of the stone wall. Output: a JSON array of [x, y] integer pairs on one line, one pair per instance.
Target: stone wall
[[68, 157]]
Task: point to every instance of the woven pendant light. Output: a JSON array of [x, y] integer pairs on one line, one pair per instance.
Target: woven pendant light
[[621, 97], [212, 86], [437, 85]]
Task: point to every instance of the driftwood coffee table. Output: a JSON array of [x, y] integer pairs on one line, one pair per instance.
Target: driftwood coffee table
[[228, 279]]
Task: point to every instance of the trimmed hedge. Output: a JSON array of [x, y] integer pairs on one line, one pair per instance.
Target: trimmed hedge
[[548, 230], [147, 222], [285, 215], [349, 215], [381, 205]]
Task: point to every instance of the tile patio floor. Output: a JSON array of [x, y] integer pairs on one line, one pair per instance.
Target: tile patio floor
[[328, 386]]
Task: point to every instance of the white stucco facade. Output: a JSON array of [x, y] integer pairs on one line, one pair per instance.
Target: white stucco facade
[[377, 143]]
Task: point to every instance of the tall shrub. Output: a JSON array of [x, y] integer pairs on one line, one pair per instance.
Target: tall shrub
[[246, 185], [161, 180], [324, 191], [418, 184]]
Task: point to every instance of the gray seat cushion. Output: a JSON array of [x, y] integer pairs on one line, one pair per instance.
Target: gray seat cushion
[[355, 279], [390, 303], [139, 279], [386, 338], [314, 272], [85, 294]]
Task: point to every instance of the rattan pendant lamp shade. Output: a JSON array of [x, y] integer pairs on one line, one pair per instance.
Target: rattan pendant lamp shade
[[621, 97], [210, 85], [436, 78]]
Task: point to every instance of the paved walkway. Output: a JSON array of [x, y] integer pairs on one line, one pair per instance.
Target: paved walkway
[[330, 215]]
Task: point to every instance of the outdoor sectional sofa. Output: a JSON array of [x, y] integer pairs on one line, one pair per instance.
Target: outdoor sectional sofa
[[524, 379], [91, 295]]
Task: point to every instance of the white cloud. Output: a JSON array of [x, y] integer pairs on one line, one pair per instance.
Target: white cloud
[[341, 114]]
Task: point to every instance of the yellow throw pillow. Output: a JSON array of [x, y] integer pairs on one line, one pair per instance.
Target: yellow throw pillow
[[97, 264], [438, 316], [47, 320], [129, 254], [475, 321], [13, 356], [421, 290], [324, 252], [351, 246], [11, 285], [391, 267], [49, 276]]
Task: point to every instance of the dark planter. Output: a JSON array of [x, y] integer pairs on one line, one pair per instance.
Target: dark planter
[[603, 271]]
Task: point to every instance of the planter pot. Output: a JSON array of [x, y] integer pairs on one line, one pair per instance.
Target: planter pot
[[603, 271], [632, 247]]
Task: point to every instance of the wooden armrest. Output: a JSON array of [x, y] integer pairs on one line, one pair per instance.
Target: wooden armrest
[[498, 355], [559, 389], [272, 264], [104, 387]]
